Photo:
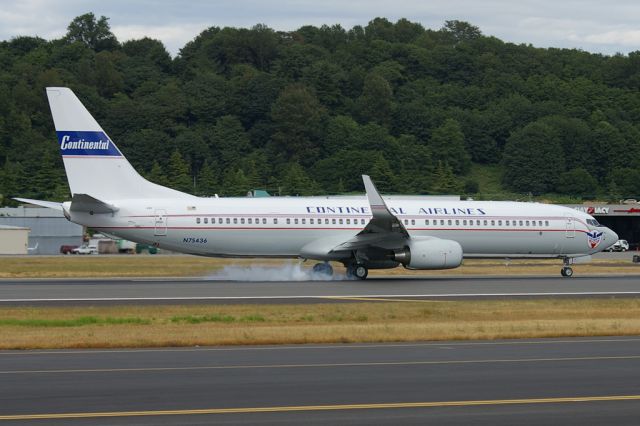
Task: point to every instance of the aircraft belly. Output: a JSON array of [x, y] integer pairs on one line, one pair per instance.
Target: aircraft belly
[[266, 242], [511, 242]]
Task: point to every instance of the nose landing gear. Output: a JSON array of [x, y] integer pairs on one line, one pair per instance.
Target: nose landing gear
[[566, 271]]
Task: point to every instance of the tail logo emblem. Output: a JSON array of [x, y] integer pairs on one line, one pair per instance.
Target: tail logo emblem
[[78, 144]]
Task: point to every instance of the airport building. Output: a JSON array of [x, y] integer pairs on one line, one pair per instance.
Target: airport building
[[13, 240], [49, 228], [624, 219]]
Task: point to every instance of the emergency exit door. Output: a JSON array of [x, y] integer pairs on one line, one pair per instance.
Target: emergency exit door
[[160, 223], [570, 227]]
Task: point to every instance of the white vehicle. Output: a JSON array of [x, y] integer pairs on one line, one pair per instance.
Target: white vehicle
[[361, 232], [620, 245], [85, 249]]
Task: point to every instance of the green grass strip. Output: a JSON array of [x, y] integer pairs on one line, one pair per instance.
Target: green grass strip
[[76, 322], [198, 319]]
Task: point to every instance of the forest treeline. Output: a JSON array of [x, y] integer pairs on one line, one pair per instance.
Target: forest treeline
[[308, 111]]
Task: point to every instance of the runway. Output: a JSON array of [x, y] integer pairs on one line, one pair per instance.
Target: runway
[[173, 291], [554, 381]]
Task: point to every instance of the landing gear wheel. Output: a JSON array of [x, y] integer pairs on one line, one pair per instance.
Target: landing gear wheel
[[360, 271], [566, 272], [323, 268]]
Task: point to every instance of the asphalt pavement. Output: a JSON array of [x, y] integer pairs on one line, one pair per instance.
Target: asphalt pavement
[[157, 291], [525, 382]]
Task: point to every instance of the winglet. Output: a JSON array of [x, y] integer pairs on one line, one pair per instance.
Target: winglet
[[383, 218], [379, 208]]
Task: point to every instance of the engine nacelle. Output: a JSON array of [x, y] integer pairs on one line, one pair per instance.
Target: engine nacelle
[[430, 253]]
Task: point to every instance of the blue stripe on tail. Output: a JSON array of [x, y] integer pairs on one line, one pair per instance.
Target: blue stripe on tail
[[86, 144]]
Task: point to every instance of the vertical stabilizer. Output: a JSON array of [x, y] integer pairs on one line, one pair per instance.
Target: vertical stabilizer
[[93, 163]]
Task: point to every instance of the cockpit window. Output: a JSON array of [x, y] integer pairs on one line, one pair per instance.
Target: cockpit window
[[593, 222]]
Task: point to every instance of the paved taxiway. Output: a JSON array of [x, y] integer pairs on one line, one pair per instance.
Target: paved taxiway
[[70, 292], [554, 381]]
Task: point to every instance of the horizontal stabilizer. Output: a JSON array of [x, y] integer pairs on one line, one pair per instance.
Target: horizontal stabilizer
[[47, 204], [86, 203]]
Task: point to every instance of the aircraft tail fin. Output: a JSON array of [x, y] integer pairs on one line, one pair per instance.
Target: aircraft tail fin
[[93, 162]]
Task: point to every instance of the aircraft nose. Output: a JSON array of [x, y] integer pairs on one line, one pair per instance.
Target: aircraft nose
[[610, 237]]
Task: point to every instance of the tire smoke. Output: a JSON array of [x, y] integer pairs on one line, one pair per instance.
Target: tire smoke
[[285, 272]]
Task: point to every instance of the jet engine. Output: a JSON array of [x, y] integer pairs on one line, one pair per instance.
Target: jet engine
[[429, 253]]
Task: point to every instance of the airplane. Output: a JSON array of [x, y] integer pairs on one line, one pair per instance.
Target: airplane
[[362, 233]]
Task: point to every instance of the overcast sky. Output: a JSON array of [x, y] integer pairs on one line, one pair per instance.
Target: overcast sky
[[593, 25]]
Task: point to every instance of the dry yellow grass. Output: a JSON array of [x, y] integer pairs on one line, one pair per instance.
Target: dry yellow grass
[[113, 266], [176, 266], [323, 323]]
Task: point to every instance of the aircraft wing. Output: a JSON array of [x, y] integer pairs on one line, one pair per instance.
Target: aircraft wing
[[384, 230]]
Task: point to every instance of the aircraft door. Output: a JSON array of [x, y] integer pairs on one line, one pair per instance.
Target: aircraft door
[[160, 223], [570, 227]]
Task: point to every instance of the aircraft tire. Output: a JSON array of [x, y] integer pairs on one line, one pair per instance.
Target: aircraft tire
[[323, 268], [360, 271], [566, 272]]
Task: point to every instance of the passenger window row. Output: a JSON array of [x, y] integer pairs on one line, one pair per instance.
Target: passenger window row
[[483, 222], [274, 221], [355, 221]]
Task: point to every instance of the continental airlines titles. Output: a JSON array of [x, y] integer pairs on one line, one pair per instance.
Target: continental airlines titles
[[434, 211], [82, 144]]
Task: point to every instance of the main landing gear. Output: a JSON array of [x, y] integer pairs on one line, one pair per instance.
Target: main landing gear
[[323, 268], [357, 270], [566, 270]]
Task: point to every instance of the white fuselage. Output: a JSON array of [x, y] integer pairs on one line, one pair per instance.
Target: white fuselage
[[280, 227]]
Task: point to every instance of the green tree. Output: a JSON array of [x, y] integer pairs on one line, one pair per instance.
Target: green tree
[[461, 31], [447, 146], [108, 79], [178, 172], [236, 183], [376, 102], [14, 180], [156, 175], [262, 44], [533, 160], [444, 181], [163, 107], [295, 181], [625, 183], [614, 151], [342, 133], [389, 99], [328, 79], [46, 178], [383, 175], [145, 146], [95, 34], [578, 182], [299, 119], [207, 97], [231, 140], [207, 180], [471, 186]]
